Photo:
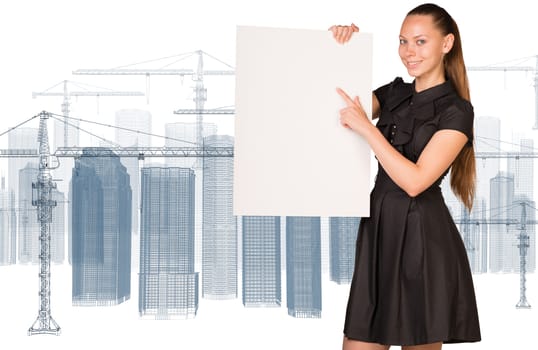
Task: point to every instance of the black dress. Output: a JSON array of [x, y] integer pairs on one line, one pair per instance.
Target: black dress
[[412, 283]]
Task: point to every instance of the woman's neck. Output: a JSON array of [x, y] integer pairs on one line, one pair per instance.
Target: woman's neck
[[425, 82]]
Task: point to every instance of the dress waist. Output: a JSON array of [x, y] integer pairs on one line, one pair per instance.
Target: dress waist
[[384, 183]]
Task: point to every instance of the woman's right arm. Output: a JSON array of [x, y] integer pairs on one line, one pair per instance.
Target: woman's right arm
[[342, 34]]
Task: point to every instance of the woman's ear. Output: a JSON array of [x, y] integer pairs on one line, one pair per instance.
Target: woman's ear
[[448, 42]]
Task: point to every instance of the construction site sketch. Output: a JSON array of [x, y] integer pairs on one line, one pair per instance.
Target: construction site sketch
[[292, 157]]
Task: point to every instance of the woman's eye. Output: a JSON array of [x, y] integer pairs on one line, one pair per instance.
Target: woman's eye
[[421, 42], [402, 42]]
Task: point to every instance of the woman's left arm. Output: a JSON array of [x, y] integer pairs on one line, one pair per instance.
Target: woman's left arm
[[413, 178]]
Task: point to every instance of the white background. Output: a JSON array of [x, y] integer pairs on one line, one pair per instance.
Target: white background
[[41, 42]]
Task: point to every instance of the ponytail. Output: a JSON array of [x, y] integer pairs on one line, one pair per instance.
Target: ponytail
[[463, 169]]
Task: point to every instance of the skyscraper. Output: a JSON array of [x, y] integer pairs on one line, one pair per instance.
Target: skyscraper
[[303, 266], [19, 138], [101, 229], [487, 139], [28, 225], [57, 228], [168, 285], [22, 138], [523, 169], [343, 238], [8, 234], [183, 134], [261, 261], [219, 236], [474, 232], [133, 127], [502, 244], [65, 135]]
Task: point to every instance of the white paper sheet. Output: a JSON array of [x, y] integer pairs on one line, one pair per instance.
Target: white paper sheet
[[292, 157]]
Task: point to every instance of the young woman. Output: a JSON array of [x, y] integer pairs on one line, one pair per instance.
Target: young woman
[[412, 285]]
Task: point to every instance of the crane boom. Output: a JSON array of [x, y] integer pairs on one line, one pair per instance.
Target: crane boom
[[142, 152], [127, 71], [66, 94], [89, 93], [199, 89], [502, 68], [516, 69]]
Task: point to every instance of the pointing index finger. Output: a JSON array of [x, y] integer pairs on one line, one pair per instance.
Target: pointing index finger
[[345, 96]]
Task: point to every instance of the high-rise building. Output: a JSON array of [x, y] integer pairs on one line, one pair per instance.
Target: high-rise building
[[261, 261], [219, 236], [19, 138], [523, 169], [487, 139], [474, 233], [101, 231], [168, 285], [483, 251], [8, 233], [57, 228], [133, 129], [343, 238], [303, 266], [28, 225], [502, 244], [183, 134], [66, 134]]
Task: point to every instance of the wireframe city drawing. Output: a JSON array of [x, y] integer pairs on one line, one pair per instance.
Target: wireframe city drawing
[[114, 217]]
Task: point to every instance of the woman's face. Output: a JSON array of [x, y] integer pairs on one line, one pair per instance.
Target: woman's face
[[422, 48]]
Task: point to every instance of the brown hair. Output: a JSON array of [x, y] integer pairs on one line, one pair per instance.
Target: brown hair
[[463, 171]]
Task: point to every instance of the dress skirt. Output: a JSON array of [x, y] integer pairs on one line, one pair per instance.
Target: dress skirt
[[412, 282]]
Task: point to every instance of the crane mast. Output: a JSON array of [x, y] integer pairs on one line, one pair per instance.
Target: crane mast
[[42, 199], [523, 246]]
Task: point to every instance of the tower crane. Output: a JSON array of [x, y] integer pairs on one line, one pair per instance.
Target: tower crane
[[515, 68], [42, 197], [44, 323], [197, 75], [523, 238]]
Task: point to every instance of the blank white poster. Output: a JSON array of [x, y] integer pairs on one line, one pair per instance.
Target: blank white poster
[[292, 156]]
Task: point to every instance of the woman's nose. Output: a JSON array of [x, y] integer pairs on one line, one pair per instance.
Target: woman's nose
[[409, 50]]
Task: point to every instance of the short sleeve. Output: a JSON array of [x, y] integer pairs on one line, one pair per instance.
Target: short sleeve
[[382, 92], [458, 116]]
